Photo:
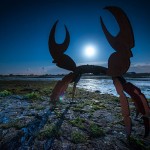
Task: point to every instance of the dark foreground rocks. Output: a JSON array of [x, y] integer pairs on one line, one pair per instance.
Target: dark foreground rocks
[[92, 123]]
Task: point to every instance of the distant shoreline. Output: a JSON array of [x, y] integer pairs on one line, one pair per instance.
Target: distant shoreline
[[131, 75]]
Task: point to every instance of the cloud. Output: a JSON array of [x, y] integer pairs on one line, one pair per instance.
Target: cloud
[[140, 68], [54, 70], [45, 70], [135, 67]]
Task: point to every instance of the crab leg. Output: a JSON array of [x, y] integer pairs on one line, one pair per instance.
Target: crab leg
[[124, 105], [73, 91], [141, 104], [60, 87]]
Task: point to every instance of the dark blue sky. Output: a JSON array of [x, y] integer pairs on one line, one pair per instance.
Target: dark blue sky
[[25, 27]]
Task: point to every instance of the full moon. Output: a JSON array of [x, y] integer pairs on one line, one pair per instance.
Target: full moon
[[90, 51]]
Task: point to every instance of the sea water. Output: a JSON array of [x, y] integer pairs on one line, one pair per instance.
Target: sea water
[[102, 84], [105, 86]]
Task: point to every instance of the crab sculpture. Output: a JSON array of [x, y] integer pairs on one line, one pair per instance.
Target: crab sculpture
[[118, 64]]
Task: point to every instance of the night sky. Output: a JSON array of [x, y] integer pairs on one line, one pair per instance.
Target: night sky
[[25, 26]]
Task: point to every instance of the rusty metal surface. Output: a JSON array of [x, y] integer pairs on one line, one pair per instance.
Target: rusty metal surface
[[124, 105], [124, 40], [57, 50], [60, 87], [119, 62], [141, 104]]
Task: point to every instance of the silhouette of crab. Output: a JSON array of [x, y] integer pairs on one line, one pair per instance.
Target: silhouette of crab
[[118, 64]]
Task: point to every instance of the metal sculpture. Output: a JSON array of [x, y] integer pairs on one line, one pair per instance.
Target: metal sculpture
[[118, 64]]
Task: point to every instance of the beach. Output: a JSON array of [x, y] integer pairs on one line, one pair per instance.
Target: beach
[[92, 120]]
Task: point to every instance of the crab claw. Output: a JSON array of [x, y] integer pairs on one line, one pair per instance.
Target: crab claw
[[119, 62], [57, 50], [124, 40]]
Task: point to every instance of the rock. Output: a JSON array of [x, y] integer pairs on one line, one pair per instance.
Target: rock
[[16, 97], [87, 108], [4, 120], [66, 145], [97, 113], [82, 146], [97, 91], [70, 115], [85, 115], [25, 114]]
